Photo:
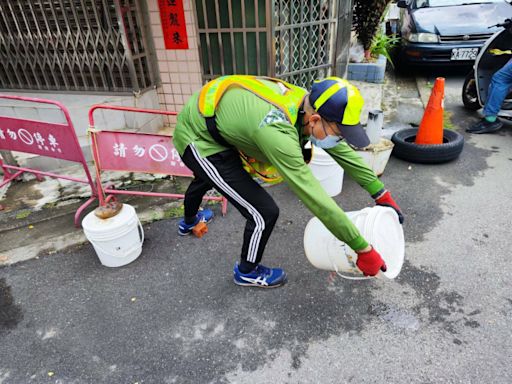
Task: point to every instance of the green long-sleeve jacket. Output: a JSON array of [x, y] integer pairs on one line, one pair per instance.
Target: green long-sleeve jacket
[[261, 131]]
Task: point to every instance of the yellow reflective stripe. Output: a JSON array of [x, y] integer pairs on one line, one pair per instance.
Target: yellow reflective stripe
[[257, 87], [204, 107], [219, 92], [289, 102], [354, 106], [327, 94]]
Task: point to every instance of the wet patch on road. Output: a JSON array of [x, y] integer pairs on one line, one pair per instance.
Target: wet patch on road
[[251, 327], [397, 317], [421, 188], [10, 313], [443, 308]]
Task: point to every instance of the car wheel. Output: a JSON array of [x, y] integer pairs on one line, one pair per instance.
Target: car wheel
[[402, 67], [406, 149], [469, 93]]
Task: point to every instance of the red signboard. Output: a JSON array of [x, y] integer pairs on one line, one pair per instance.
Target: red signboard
[[174, 27], [139, 152], [42, 138], [39, 138]]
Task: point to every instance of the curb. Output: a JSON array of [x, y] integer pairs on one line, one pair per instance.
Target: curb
[[76, 237]]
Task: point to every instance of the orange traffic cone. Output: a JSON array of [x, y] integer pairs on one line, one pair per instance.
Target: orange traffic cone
[[431, 127]]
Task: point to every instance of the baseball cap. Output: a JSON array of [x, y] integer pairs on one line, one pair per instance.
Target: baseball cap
[[337, 100]]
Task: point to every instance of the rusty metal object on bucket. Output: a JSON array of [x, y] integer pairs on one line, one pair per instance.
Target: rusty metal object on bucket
[[108, 210], [200, 229]]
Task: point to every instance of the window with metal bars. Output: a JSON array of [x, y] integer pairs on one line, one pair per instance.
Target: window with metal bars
[[233, 37], [74, 45]]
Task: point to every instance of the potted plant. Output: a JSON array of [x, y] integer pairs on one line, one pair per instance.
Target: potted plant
[[373, 42]]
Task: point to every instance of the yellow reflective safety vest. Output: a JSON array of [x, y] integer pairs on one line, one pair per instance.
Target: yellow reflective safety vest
[[288, 101]]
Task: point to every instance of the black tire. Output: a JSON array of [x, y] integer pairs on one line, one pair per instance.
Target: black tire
[[402, 67], [469, 93], [406, 149]]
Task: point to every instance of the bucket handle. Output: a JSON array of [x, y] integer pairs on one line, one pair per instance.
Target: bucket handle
[[346, 276], [141, 235]]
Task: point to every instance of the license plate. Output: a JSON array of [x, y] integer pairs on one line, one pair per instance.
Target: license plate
[[464, 53]]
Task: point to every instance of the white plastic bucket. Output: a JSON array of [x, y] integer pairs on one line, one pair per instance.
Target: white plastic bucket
[[327, 171], [378, 225], [117, 240], [377, 155]]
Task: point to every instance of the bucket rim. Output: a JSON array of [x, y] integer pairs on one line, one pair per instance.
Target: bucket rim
[[125, 218]]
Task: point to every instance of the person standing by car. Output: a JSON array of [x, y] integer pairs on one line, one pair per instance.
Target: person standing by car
[[269, 121], [499, 88]]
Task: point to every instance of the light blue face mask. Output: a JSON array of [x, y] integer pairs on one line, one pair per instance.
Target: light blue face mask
[[327, 142]]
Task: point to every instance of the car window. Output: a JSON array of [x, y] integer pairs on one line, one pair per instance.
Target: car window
[[448, 3]]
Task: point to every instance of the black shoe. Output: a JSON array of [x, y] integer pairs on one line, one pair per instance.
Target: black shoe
[[484, 126]]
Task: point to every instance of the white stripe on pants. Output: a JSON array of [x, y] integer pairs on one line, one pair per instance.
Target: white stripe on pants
[[212, 172]]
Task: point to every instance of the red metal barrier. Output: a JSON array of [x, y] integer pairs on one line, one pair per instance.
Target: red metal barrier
[[45, 139], [136, 152]]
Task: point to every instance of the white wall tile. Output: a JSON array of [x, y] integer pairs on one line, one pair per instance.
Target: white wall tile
[[185, 89], [175, 78], [171, 55], [169, 99], [195, 86], [167, 88], [181, 55], [153, 5], [157, 32], [178, 99], [159, 43], [184, 78], [192, 55], [195, 78], [154, 18], [161, 55], [174, 66], [166, 77], [176, 89], [182, 66]]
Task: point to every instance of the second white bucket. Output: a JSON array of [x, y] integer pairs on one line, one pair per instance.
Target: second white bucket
[[117, 240], [327, 171], [378, 225]]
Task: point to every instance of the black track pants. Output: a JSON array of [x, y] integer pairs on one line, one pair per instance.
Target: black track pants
[[225, 172]]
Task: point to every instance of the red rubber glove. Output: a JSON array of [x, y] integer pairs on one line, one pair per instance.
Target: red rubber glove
[[386, 200], [370, 262]]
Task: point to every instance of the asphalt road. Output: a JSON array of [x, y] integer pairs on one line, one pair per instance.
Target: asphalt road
[[174, 315]]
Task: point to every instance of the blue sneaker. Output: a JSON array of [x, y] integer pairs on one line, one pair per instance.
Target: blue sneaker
[[260, 276], [204, 215]]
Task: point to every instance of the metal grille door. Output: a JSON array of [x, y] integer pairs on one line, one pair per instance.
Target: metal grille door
[[304, 34], [233, 37], [290, 39], [73, 45]]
